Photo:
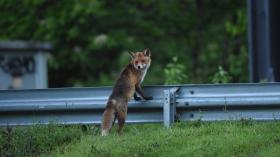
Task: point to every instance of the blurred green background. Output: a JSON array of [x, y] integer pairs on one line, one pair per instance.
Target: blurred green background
[[192, 41]]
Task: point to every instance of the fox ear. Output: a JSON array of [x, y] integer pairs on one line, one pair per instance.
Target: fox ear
[[147, 52], [132, 54]]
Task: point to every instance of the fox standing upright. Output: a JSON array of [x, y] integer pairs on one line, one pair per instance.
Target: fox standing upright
[[128, 83]]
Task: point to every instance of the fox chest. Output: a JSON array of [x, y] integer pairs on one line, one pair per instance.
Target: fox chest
[[142, 75]]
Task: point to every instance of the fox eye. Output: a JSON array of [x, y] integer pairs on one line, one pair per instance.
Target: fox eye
[[136, 62], [143, 60]]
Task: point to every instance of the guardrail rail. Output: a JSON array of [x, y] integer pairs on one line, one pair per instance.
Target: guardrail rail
[[171, 103]]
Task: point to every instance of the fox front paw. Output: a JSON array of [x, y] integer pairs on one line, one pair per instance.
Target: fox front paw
[[137, 98], [149, 98]]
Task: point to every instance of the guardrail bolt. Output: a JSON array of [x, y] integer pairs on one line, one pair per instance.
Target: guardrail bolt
[[191, 115]]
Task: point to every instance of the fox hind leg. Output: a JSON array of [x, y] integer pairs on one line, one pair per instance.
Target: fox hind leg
[[121, 115]]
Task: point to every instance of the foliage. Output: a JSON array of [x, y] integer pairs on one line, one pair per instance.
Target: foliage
[[174, 72], [221, 76], [197, 139], [91, 37]]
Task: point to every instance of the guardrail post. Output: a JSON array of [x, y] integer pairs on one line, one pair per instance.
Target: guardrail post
[[169, 107]]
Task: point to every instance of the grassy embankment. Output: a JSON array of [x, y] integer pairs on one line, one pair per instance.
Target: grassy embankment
[[242, 138]]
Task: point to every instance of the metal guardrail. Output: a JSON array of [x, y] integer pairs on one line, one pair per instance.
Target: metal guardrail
[[170, 103]]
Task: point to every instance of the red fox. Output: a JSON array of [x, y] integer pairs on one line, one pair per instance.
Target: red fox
[[128, 83]]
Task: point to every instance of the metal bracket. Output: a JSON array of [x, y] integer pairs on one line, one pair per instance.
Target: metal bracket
[[169, 106]]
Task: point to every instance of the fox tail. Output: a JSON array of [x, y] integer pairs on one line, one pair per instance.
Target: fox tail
[[108, 117]]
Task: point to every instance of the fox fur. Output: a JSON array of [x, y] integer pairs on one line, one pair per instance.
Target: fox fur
[[126, 86]]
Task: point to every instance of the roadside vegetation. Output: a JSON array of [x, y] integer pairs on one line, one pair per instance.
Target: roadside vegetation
[[38, 139], [198, 139]]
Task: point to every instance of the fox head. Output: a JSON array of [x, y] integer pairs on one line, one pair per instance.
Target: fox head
[[141, 60]]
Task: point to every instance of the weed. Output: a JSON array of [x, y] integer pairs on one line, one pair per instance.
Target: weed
[[221, 76], [175, 72]]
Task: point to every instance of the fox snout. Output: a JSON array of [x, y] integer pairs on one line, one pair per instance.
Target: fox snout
[[141, 66]]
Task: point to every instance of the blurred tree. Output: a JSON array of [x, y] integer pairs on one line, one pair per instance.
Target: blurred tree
[[92, 37]]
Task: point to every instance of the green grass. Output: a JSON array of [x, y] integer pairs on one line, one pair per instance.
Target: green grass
[[37, 140], [199, 139]]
